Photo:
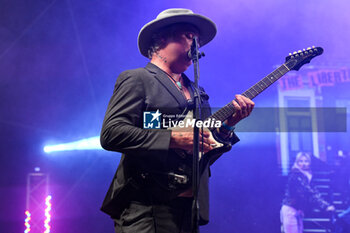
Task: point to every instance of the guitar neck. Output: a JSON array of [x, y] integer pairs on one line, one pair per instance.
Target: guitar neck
[[228, 110], [264, 83]]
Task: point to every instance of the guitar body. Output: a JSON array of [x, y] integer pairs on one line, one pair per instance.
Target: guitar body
[[179, 176], [189, 128]]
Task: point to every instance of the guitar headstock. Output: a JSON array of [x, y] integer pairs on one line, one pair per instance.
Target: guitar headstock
[[297, 59]]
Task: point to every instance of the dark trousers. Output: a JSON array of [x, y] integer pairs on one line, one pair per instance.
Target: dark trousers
[[172, 217]]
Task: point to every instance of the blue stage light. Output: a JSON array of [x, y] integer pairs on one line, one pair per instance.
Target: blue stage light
[[92, 143]]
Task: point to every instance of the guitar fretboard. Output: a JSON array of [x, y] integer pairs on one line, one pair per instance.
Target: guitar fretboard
[[228, 110]]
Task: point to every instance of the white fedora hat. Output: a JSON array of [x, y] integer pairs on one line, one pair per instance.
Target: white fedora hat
[[206, 27]]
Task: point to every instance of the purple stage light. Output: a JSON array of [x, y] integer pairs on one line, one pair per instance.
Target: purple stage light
[[26, 222], [47, 214]]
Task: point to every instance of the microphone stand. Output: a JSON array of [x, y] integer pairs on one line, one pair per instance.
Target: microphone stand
[[195, 55]]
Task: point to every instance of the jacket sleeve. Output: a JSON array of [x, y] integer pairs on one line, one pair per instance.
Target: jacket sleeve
[[316, 199], [122, 127], [303, 188]]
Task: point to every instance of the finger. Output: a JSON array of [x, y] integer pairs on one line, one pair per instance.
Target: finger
[[250, 105], [211, 141], [236, 105], [208, 141], [204, 133], [241, 101], [204, 147], [203, 139]]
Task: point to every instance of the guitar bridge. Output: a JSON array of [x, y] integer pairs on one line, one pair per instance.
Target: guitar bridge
[[179, 179]]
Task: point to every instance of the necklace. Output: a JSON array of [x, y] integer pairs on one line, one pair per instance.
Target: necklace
[[178, 83]]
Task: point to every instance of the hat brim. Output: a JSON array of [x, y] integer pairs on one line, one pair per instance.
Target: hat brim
[[206, 27]]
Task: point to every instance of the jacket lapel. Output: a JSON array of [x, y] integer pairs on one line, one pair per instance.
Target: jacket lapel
[[163, 78]]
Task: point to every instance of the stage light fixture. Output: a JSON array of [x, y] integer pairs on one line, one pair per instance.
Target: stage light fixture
[[27, 221], [92, 143], [47, 214]]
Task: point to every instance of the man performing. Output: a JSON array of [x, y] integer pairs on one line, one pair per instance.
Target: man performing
[[145, 195]]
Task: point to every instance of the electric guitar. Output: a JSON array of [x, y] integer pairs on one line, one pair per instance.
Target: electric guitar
[[179, 176]]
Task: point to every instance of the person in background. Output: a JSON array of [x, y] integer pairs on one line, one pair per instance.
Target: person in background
[[299, 195]]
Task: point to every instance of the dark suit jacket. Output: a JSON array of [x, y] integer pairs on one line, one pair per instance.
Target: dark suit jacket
[[136, 91]]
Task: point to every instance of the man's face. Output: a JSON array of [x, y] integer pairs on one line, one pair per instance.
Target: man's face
[[178, 46]]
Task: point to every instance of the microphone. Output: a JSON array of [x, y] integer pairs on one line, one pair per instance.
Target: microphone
[[191, 54]]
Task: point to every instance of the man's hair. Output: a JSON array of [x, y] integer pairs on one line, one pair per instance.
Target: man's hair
[[159, 39]]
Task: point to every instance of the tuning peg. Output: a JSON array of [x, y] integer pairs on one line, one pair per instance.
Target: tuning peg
[[294, 52], [308, 48], [313, 47], [304, 49], [299, 51], [290, 54]]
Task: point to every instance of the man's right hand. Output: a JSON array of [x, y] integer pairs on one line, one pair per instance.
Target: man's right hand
[[184, 141]]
